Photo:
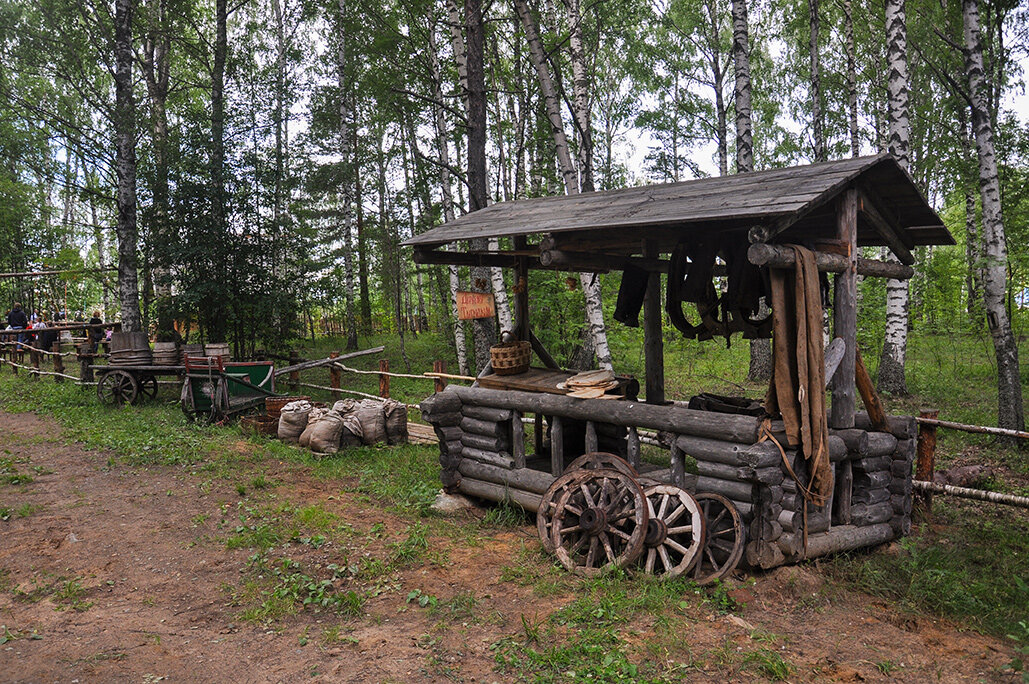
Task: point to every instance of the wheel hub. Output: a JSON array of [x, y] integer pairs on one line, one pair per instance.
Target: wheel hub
[[593, 520], [657, 532]]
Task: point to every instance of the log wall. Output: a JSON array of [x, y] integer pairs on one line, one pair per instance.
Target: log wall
[[483, 454]]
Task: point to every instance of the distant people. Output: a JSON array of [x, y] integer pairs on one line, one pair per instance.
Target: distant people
[[45, 339], [17, 320], [95, 333]]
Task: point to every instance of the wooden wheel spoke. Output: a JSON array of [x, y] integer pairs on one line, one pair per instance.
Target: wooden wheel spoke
[[718, 518], [675, 514], [569, 530], [665, 560], [607, 547], [677, 546], [680, 530], [573, 510], [590, 558], [664, 506], [722, 545], [651, 557], [587, 496], [615, 530]]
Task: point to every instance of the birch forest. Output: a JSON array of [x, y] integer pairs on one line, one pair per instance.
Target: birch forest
[[253, 167]]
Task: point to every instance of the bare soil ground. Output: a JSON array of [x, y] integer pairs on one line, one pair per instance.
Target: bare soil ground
[[113, 573]]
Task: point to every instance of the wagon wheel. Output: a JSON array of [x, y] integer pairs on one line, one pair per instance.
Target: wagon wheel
[[548, 504], [602, 459], [590, 461], [723, 538], [600, 520], [147, 388], [115, 388], [675, 531]]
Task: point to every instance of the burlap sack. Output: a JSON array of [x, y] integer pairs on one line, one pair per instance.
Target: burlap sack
[[395, 414], [293, 420], [373, 422], [323, 433], [313, 418]]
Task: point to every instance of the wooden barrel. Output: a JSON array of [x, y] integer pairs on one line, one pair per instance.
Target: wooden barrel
[[217, 349], [130, 348], [191, 350], [166, 354]]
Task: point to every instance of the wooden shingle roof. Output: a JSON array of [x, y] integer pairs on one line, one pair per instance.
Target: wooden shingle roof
[[794, 203]]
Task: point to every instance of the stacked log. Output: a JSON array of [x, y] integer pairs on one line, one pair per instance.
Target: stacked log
[[443, 411], [901, 468], [486, 435]]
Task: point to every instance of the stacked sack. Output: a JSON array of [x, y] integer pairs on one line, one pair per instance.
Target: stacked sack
[[347, 423]]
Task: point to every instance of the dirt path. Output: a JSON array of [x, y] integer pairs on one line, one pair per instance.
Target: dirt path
[[109, 573]]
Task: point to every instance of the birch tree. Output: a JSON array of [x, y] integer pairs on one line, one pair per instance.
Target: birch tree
[[125, 164], [346, 155], [1009, 389], [894, 351], [590, 286], [815, 89]]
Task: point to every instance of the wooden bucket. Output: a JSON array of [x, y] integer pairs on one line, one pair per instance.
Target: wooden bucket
[[166, 354], [273, 405], [130, 348], [510, 358], [218, 349]]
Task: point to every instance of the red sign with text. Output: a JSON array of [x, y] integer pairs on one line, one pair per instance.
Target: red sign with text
[[472, 305]]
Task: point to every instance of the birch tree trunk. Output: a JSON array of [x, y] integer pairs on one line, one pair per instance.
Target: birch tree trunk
[[894, 351], [484, 329], [125, 164], [447, 199], [760, 350], [580, 96], [852, 94], [817, 132], [346, 153], [1009, 389], [973, 237], [590, 285]]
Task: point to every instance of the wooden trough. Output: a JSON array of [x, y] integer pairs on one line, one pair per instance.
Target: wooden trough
[[834, 208]]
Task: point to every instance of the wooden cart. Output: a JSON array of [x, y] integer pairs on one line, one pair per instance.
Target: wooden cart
[[217, 389], [130, 384]]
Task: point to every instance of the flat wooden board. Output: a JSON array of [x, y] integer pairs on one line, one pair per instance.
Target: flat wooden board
[[539, 380]]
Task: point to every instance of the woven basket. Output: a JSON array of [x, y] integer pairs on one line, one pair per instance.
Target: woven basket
[[273, 405], [510, 358]]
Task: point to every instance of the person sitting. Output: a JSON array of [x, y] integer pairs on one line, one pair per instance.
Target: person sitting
[[45, 340]]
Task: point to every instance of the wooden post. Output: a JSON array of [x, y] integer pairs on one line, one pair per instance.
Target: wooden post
[[537, 433], [845, 315], [383, 378], [844, 492], [874, 407], [678, 463], [517, 439], [653, 344], [632, 441], [35, 356], [521, 291], [294, 377], [85, 361], [334, 377], [439, 367], [926, 464], [58, 360], [591, 436], [557, 446]]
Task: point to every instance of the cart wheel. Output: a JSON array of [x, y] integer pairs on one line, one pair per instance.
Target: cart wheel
[[600, 520], [147, 389], [548, 504], [723, 538], [115, 388], [602, 459], [675, 531]]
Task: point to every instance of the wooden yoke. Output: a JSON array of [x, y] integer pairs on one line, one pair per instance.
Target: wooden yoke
[[845, 315]]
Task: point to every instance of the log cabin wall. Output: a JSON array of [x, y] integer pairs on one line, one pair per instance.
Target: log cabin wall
[[483, 454]]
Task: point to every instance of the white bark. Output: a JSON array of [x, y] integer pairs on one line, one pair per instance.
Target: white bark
[[580, 93], [443, 146], [852, 95], [817, 132], [500, 292], [346, 200], [1009, 390], [891, 363], [590, 286]]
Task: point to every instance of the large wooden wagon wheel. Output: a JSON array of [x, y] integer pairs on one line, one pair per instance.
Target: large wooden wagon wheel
[[115, 388], [600, 520], [724, 537], [602, 459], [147, 388], [675, 531], [590, 461]]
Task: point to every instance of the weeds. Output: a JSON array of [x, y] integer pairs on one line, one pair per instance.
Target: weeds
[[769, 663]]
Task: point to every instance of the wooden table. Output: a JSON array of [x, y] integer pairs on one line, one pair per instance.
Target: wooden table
[[547, 380]]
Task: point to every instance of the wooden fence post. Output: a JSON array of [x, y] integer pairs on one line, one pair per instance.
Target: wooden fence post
[[294, 377], [926, 464], [85, 361], [334, 377], [35, 356], [58, 360], [440, 367], [383, 378]]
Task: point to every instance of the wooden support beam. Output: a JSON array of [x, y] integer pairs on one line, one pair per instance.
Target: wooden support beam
[[889, 231], [384, 378], [876, 413], [778, 256], [542, 352], [653, 342], [926, 463], [521, 291], [517, 439], [845, 316], [334, 377], [557, 446]]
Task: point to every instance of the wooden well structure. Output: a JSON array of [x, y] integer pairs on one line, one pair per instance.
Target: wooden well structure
[[831, 208]]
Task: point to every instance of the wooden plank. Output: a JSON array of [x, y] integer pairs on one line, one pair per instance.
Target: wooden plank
[[591, 437], [542, 352], [632, 442], [678, 462], [870, 398], [888, 230], [557, 446], [777, 256], [845, 316], [653, 342]]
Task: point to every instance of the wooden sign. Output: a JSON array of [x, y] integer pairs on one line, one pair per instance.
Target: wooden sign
[[475, 305]]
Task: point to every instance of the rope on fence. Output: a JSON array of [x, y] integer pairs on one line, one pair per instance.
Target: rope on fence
[[346, 391], [36, 371], [981, 429], [24, 347], [392, 375]]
